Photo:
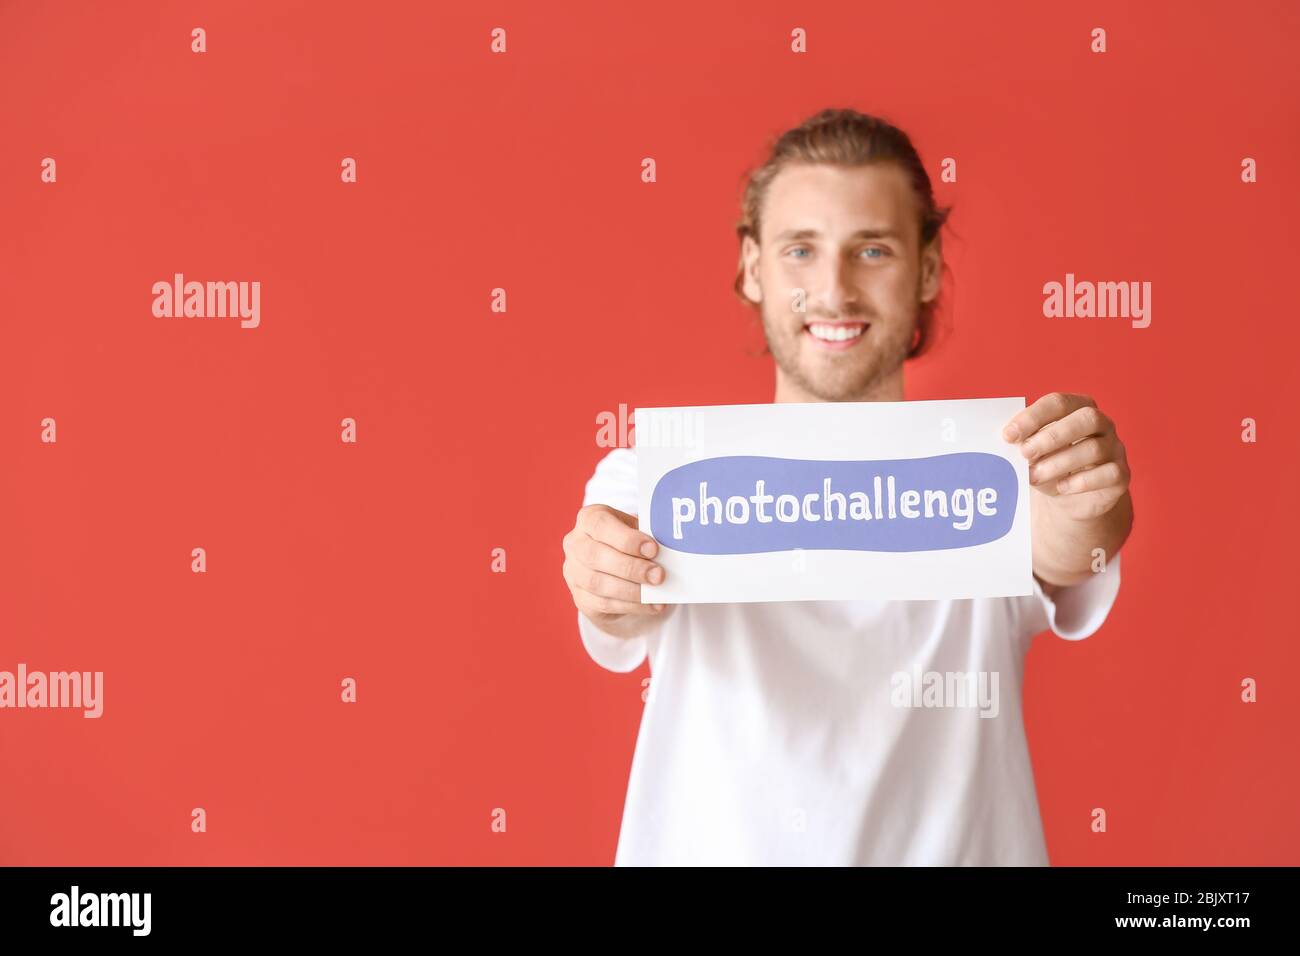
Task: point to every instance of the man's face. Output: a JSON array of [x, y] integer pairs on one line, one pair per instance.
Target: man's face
[[849, 238]]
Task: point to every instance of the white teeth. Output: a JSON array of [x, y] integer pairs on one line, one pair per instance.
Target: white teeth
[[836, 333]]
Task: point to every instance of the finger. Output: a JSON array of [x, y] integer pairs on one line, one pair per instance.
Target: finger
[[598, 582], [1111, 474], [1049, 408], [1090, 451], [1078, 424], [611, 526], [600, 556], [590, 603], [1090, 504]]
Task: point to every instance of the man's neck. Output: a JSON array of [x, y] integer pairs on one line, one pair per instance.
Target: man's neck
[[888, 388]]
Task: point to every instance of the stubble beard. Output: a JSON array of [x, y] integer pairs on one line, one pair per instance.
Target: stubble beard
[[844, 377]]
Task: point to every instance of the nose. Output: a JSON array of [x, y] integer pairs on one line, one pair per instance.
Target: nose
[[837, 294]]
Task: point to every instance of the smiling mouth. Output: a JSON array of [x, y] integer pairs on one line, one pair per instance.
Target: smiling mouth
[[835, 335]]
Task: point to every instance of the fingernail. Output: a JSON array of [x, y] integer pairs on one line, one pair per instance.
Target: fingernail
[[656, 575], [1063, 485], [657, 607], [648, 549], [1011, 433]]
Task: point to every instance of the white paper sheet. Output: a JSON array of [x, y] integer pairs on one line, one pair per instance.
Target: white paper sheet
[[952, 523]]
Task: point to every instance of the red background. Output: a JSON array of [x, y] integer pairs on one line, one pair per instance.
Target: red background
[[477, 430]]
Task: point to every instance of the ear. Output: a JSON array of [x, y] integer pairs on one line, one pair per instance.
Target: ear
[[931, 269], [749, 254]]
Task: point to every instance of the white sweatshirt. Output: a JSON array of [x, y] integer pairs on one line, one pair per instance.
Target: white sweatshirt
[[835, 732]]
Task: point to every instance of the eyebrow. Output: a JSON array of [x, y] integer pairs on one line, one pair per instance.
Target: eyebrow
[[813, 234]]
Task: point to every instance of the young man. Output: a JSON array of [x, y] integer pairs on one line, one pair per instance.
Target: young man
[[771, 733]]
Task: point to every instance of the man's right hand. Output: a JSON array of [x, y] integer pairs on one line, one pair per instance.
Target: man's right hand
[[606, 560]]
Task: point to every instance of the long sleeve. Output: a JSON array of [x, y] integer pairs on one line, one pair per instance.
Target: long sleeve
[[1075, 612]]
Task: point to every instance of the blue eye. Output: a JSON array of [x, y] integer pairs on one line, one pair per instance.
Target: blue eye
[[876, 249], [798, 249]]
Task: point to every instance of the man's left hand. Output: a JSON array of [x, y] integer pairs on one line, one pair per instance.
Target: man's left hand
[[1075, 456]]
